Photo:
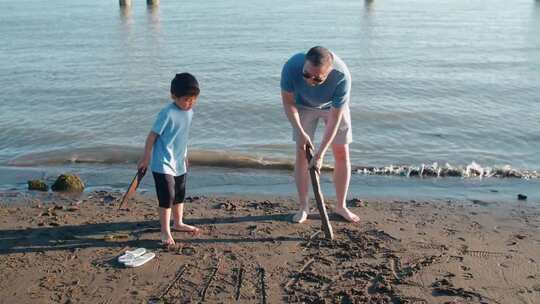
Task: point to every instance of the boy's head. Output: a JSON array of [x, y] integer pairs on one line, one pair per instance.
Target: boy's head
[[184, 90]]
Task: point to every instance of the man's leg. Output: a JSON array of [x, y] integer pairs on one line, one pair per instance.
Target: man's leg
[[342, 177], [302, 184], [309, 120]]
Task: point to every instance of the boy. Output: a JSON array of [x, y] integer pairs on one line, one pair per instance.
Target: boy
[[166, 145]]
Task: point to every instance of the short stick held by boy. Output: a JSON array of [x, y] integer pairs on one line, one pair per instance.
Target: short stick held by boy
[[132, 188]]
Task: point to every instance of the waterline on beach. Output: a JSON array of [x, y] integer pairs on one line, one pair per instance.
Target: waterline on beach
[[226, 181], [114, 155]]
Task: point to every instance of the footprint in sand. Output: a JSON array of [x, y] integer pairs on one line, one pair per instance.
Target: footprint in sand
[[511, 243]]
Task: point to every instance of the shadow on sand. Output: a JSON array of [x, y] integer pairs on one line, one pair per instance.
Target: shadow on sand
[[71, 237]]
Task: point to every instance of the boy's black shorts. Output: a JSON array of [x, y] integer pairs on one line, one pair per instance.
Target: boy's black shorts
[[169, 189]]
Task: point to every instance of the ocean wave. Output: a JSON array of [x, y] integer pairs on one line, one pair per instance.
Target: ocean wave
[[434, 170], [231, 159], [131, 155]]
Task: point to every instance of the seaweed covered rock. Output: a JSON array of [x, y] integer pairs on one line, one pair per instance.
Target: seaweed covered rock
[[37, 185], [68, 183]]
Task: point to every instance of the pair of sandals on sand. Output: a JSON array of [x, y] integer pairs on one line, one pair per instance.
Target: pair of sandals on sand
[[136, 258]]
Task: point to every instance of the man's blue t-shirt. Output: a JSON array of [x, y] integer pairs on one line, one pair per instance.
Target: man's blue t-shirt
[[334, 92], [170, 149]]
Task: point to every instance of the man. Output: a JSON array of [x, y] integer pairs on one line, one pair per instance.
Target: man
[[314, 86]]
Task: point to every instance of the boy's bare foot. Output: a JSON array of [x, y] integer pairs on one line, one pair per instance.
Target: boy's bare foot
[[167, 240], [186, 228], [301, 216], [177, 247], [347, 215]]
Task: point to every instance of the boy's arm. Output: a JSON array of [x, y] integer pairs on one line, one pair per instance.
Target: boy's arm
[[150, 140]]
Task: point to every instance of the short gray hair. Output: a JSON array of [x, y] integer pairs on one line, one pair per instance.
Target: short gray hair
[[319, 56]]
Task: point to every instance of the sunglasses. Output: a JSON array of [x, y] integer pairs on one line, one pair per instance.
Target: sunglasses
[[316, 79]]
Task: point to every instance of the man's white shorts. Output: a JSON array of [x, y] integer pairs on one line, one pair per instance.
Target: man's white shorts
[[309, 118]]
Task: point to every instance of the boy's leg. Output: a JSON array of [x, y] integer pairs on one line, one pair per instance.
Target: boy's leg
[[179, 225], [178, 206], [165, 193], [164, 221]]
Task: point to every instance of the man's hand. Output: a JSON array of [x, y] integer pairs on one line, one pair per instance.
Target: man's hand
[[305, 140], [316, 162]]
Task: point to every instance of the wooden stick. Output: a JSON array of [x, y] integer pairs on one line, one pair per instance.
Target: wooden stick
[[393, 264], [179, 275], [215, 270], [239, 282], [304, 267], [311, 239], [263, 284], [315, 182], [132, 188]]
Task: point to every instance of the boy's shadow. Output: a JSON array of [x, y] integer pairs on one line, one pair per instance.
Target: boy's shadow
[[71, 237]]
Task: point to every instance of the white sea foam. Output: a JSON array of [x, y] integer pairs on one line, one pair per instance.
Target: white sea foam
[[472, 170]]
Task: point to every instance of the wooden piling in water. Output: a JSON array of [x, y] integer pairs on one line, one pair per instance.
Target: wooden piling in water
[[124, 2], [152, 2]]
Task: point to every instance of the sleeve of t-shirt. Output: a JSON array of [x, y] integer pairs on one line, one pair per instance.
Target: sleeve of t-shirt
[[286, 79], [160, 123], [342, 93]]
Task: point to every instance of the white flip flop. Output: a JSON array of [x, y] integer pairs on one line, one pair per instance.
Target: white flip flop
[[141, 260], [130, 255]]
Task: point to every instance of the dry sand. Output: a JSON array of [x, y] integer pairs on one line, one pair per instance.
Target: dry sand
[[59, 250]]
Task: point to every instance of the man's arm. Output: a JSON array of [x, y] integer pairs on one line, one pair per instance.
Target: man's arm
[[150, 140], [334, 119], [294, 118]]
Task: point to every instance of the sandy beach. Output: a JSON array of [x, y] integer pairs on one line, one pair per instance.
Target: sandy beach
[[58, 249]]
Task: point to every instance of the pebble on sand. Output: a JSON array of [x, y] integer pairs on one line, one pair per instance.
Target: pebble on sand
[[37, 185]]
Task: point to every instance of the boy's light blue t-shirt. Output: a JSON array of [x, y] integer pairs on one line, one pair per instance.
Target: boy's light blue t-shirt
[[334, 92], [170, 149]]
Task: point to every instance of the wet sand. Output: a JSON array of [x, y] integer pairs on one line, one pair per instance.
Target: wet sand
[[63, 250]]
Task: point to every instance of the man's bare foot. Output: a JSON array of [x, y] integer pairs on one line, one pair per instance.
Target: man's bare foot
[[347, 215], [301, 216], [185, 228], [167, 240]]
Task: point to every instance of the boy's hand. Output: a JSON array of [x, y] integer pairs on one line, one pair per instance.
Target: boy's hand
[[143, 165]]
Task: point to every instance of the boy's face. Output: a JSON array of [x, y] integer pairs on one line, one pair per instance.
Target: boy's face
[[185, 102]]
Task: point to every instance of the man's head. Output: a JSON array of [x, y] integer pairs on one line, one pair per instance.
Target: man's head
[[185, 90], [317, 66]]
